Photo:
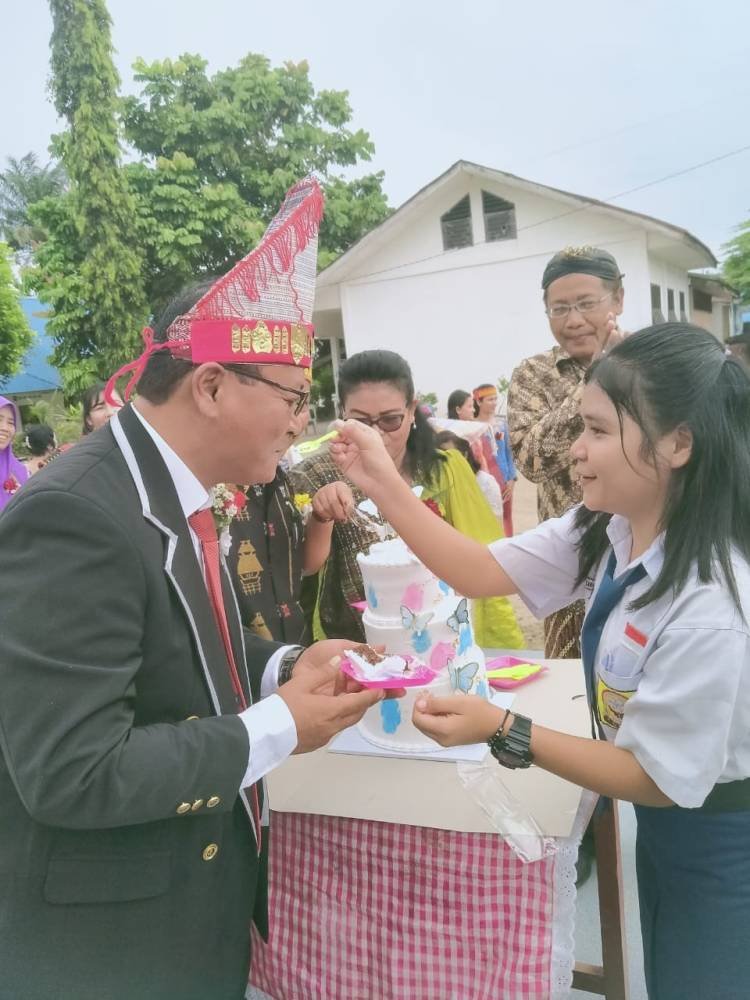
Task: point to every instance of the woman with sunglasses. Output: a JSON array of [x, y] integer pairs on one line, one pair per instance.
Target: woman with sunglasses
[[377, 389]]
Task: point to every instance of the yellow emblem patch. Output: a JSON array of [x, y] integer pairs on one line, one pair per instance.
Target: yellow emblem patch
[[611, 704]]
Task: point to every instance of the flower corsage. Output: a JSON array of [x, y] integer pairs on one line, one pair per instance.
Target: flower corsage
[[226, 504], [303, 503], [11, 485]]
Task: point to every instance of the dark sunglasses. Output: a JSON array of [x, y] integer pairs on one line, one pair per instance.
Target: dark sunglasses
[[388, 423], [302, 398]]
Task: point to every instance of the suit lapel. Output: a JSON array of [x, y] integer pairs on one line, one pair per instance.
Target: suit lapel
[[161, 507]]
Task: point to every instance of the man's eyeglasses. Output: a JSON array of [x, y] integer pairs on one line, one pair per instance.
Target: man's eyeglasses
[[388, 423], [583, 307], [298, 404]]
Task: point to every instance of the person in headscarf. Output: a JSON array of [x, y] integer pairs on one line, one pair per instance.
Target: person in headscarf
[[13, 473], [583, 296]]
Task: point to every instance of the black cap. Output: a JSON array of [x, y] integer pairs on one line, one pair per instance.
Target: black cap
[[581, 260]]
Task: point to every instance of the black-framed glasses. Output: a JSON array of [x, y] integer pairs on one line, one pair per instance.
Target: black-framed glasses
[[298, 404], [388, 423], [582, 307]]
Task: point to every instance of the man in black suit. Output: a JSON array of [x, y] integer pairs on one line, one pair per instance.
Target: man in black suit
[[130, 866]]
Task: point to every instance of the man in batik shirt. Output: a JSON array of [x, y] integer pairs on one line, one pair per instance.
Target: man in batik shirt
[[583, 295]]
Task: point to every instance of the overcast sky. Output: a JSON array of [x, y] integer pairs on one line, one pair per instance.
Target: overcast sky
[[593, 97]]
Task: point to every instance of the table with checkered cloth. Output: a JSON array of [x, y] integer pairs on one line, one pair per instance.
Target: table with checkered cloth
[[362, 910]]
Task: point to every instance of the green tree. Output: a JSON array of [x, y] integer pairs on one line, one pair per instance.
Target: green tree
[[737, 264], [90, 269], [22, 184], [210, 159], [15, 333], [219, 152]]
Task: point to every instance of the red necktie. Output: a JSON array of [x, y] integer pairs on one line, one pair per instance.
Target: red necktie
[[202, 523]]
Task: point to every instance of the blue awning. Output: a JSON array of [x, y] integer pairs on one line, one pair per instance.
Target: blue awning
[[37, 374]]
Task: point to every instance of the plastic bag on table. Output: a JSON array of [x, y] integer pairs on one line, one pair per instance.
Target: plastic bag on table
[[484, 783]]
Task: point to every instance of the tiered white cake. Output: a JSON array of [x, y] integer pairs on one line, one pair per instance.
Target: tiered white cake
[[412, 613]]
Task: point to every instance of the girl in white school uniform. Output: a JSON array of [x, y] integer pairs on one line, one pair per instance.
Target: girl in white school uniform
[[660, 550]]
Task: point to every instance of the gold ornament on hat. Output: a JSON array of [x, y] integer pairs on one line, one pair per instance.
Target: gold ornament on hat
[[584, 251]]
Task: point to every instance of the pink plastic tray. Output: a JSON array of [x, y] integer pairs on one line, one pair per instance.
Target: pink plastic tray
[[420, 676]]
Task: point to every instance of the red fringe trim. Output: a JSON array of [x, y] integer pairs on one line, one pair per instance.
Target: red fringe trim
[[273, 256]]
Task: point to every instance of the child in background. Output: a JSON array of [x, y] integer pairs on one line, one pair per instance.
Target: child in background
[[485, 410], [41, 442], [660, 551]]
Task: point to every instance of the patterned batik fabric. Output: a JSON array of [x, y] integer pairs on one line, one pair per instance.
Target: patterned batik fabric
[[543, 401], [562, 632], [340, 579], [265, 562]]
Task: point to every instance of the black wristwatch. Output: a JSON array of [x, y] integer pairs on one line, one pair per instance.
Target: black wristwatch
[[287, 662], [514, 748]]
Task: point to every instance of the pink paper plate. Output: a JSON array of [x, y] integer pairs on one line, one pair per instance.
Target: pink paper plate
[[418, 677], [498, 662]]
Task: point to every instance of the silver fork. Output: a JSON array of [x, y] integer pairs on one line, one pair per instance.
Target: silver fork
[[378, 527]]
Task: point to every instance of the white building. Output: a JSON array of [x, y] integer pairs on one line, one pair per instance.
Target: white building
[[452, 280]]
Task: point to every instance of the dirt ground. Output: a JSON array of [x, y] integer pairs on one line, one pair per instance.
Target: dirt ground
[[524, 517]]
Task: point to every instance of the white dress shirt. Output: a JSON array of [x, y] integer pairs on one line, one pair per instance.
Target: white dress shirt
[[271, 731], [672, 678]]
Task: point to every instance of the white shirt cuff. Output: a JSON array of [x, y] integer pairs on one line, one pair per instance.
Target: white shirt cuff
[[272, 735], [269, 682]]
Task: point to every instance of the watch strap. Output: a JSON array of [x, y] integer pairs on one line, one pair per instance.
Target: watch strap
[[513, 749], [287, 663]]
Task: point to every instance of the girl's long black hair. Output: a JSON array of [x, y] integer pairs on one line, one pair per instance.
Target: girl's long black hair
[[422, 455], [677, 375]]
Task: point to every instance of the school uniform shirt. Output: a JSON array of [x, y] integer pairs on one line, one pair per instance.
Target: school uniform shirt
[[672, 679]]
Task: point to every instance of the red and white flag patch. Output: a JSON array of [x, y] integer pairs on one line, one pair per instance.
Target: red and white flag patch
[[635, 634]]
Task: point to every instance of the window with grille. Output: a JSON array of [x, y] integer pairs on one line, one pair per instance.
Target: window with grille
[[683, 310], [657, 316], [456, 226], [702, 301], [671, 314], [499, 218]]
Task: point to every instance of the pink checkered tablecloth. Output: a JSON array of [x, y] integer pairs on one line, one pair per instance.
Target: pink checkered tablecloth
[[362, 910]]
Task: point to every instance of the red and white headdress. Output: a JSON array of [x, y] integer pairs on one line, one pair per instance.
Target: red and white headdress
[[260, 312]]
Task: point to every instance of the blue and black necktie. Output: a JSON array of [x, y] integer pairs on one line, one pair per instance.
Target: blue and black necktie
[[606, 599]]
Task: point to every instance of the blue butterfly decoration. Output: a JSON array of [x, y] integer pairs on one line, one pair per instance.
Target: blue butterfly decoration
[[390, 715], [482, 690], [417, 625], [372, 597], [444, 587], [462, 677], [465, 640], [460, 616]]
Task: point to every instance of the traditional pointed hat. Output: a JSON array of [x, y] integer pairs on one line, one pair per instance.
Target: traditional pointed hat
[[260, 312]]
